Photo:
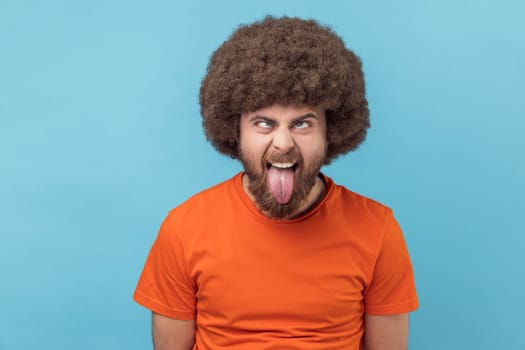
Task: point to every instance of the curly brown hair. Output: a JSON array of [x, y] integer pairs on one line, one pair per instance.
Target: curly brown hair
[[285, 61]]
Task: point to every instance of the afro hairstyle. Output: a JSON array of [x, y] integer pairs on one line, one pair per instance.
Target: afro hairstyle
[[288, 61]]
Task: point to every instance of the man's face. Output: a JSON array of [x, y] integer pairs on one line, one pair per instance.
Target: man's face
[[282, 149]]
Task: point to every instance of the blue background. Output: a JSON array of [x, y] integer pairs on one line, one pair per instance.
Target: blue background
[[100, 136]]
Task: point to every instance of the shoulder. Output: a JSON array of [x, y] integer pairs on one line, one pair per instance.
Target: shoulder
[[195, 222], [356, 201], [209, 195], [358, 208], [205, 203]]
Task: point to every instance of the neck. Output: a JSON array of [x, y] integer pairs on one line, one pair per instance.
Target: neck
[[315, 195]]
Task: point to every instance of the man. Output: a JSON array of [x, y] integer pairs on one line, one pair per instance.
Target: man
[[279, 256]]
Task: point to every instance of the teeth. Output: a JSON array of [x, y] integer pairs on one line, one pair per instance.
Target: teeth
[[282, 165]]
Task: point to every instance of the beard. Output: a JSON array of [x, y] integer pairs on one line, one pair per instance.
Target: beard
[[305, 178]]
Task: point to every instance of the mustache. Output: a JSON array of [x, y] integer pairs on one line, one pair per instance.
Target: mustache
[[293, 156]]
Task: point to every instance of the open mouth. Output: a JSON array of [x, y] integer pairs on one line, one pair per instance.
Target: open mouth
[[282, 165]]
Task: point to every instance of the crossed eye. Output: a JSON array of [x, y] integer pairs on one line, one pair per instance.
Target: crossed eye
[[303, 124], [265, 124]]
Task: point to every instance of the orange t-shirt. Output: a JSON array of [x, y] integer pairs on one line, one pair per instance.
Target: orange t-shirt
[[253, 283]]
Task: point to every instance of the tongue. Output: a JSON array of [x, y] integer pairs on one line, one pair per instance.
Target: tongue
[[281, 183]]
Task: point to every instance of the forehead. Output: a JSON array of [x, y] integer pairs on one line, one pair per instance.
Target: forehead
[[286, 112]]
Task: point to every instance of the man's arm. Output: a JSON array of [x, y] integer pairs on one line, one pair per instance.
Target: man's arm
[[386, 332], [171, 334]]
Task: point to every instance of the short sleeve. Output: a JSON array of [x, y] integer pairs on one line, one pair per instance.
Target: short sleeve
[[164, 285], [392, 288]]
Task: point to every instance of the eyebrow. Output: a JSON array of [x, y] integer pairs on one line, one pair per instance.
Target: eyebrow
[[306, 116], [295, 120]]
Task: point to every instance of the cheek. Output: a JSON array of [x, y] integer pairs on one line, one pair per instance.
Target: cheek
[[253, 144], [314, 148], [252, 152]]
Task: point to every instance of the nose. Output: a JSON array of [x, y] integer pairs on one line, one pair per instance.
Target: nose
[[283, 140]]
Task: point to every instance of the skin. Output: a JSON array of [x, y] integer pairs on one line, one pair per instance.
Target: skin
[[277, 132], [171, 334], [386, 332], [283, 130]]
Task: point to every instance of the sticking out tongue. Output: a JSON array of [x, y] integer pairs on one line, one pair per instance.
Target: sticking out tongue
[[281, 183]]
